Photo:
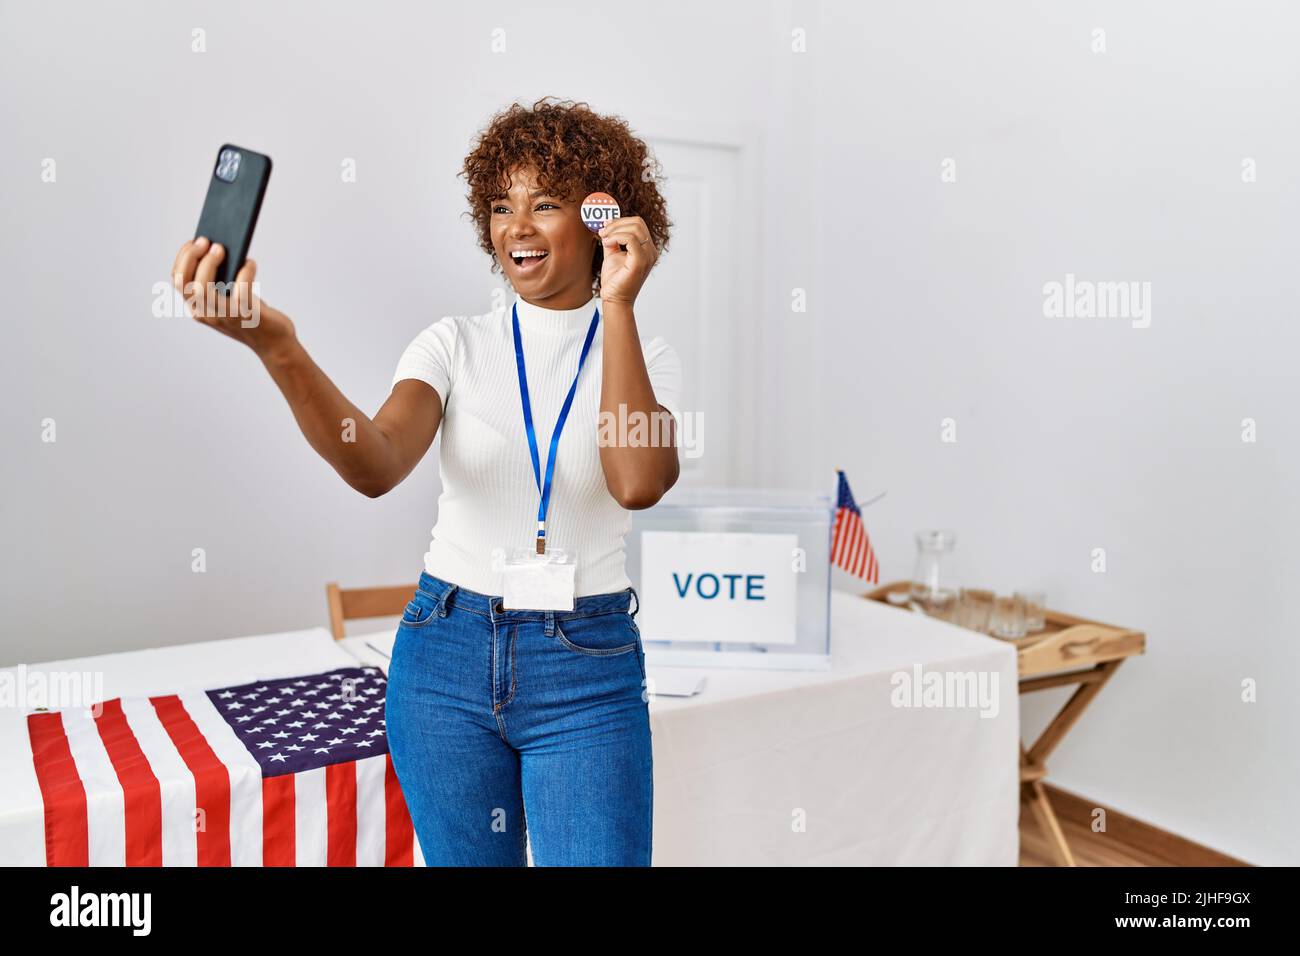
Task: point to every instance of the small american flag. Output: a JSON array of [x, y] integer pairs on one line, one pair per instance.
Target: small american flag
[[287, 772], [850, 544]]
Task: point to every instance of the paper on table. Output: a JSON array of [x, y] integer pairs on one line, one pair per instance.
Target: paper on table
[[674, 682]]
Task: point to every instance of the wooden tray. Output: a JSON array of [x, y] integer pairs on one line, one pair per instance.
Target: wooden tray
[[1065, 643]]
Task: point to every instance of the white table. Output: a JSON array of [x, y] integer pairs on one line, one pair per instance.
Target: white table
[[763, 768], [820, 768]]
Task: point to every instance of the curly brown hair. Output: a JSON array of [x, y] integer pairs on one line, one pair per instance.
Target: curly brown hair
[[575, 152]]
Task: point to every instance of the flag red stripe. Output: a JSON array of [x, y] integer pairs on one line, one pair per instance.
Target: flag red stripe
[[845, 536], [211, 780], [852, 557], [399, 849], [341, 811], [856, 558], [142, 797], [872, 568], [67, 828], [864, 558], [279, 826]]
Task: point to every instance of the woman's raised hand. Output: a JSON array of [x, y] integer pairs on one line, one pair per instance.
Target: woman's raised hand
[[235, 311]]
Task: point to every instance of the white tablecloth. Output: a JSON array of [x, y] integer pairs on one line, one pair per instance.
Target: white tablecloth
[[763, 768], [161, 670], [820, 768]]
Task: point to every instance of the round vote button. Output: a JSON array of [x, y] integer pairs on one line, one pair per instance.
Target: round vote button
[[599, 210]]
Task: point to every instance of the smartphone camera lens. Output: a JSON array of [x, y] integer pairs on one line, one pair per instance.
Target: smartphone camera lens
[[228, 165]]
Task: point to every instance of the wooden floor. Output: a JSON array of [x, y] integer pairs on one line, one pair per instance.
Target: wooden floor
[[1129, 842], [1089, 849]]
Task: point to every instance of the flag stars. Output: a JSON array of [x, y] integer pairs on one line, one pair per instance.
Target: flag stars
[[306, 722]]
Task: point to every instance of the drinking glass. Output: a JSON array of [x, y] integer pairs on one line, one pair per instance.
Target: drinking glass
[[1035, 610], [975, 609], [1008, 616]]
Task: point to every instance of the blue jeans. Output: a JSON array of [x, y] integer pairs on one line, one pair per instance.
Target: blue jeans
[[494, 715]]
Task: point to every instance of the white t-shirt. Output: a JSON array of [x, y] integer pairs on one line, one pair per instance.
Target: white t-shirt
[[489, 494]]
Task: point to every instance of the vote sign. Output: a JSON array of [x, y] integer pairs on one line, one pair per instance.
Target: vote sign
[[718, 586]]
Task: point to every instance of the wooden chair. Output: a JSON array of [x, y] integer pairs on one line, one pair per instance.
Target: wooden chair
[[347, 604]]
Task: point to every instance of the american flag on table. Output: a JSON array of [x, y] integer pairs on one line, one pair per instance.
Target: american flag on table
[[286, 772], [850, 544]]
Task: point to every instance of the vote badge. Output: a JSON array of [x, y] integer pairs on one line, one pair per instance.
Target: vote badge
[[599, 210]]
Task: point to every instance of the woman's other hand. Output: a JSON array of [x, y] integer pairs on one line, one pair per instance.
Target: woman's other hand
[[622, 273]]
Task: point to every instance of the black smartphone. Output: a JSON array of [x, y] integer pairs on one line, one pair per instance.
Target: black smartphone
[[234, 199]]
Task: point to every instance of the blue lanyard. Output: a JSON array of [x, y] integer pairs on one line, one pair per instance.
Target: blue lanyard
[[545, 489]]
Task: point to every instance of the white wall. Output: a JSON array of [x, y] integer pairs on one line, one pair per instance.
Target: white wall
[[925, 303], [172, 437], [1073, 433]]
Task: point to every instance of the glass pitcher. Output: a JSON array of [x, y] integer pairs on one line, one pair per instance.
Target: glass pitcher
[[934, 584]]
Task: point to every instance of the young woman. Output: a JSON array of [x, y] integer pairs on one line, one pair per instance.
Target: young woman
[[497, 713]]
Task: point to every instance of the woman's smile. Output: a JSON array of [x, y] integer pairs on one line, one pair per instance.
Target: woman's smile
[[528, 260]]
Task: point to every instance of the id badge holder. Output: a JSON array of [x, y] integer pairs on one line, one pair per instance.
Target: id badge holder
[[538, 582]]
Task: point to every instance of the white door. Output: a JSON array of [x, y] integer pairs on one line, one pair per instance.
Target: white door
[[699, 299]]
